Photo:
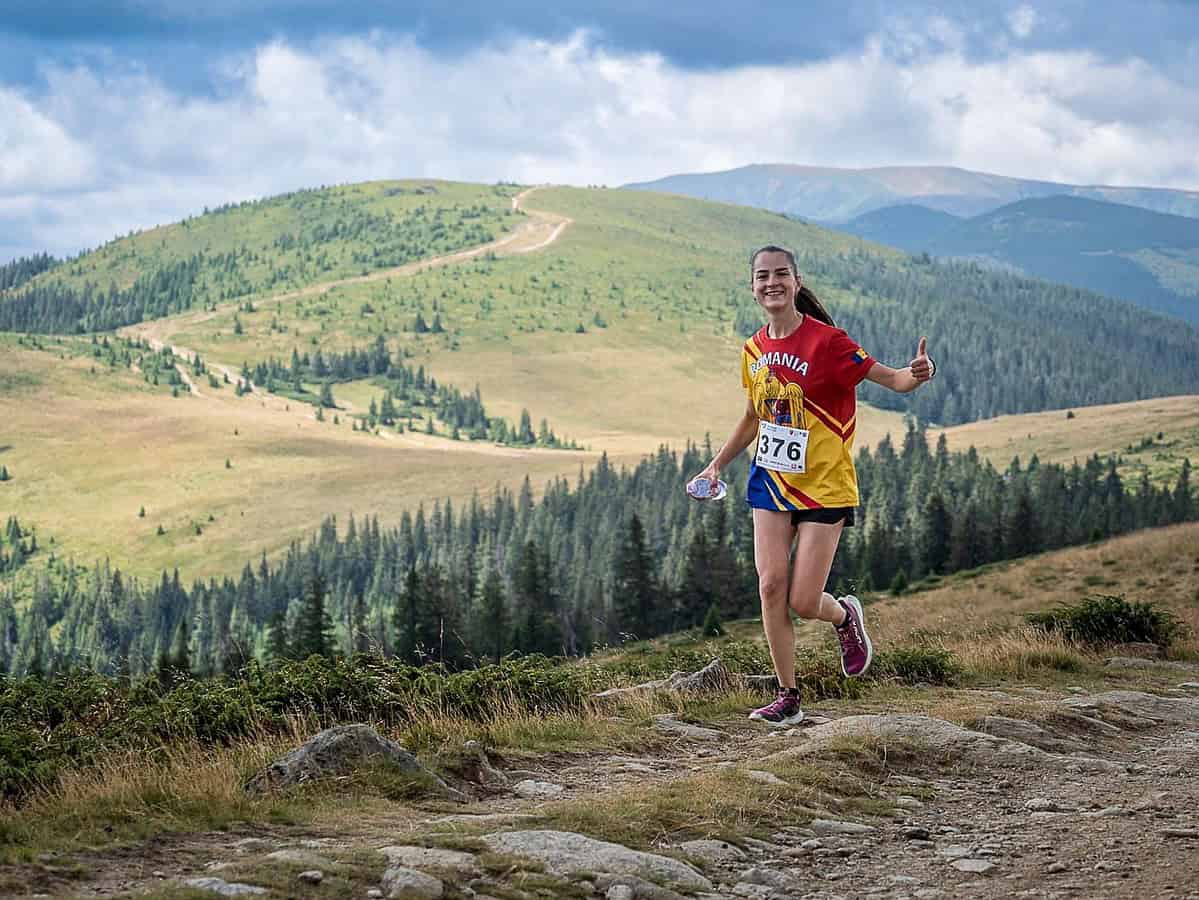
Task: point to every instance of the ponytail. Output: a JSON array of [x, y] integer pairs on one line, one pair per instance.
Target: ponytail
[[805, 301], [809, 304]]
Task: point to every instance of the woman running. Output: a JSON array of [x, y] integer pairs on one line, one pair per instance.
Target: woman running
[[801, 373]]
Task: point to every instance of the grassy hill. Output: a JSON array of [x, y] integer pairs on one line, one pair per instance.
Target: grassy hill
[[1149, 258], [623, 332]]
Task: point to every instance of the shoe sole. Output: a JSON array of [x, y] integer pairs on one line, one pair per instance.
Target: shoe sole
[[857, 608], [782, 723]]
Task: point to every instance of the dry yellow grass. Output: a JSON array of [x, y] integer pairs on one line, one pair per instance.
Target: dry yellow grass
[[1160, 564], [86, 452], [1103, 429]]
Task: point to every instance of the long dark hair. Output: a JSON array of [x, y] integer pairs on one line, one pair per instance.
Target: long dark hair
[[805, 301]]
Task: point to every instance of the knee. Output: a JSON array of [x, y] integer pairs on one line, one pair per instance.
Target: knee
[[772, 588], [806, 604]]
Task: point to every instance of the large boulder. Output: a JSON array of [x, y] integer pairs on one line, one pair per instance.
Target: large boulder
[[1136, 708], [565, 853], [339, 751], [937, 737]]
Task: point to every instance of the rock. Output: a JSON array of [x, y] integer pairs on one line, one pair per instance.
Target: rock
[[641, 889], [1057, 868], [977, 866], [478, 768], [222, 887], [1028, 733], [1137, 650], [812, 844], [565, 853], [954, 851], [942, 739], [339, 751], [778, 881], [1190, 686], [537, 790], [312, 876], [1107, 812], [715, 676], [409, 857], [712, 851], [620, 892], [753, 891], [929, 894], [303, 857], [764, 777], [667, 722], [915, 833], [907, 802], [400, 883], [250, 843], [833, 826], [1134, 705], [1181, 832], [1042, 804], [1131, 662], [374, 892]]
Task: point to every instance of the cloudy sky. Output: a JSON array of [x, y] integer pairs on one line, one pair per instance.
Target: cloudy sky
[[122, 114]]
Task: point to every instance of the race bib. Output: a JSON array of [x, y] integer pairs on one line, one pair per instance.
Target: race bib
[[781, 448]]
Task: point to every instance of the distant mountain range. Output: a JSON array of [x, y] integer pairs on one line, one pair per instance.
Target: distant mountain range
[[829, 195], [1138, 244], [1149, 258]]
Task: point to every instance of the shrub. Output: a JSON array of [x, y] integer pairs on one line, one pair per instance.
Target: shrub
[[929, 665], [1110, 619]]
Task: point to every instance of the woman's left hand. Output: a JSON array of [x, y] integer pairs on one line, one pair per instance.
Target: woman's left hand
[[921, 367]]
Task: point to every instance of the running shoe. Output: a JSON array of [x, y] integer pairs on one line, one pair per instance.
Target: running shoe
[[856, 649], [785, 710]]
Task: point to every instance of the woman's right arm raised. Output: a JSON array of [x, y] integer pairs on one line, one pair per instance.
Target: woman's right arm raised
[[744, 432]]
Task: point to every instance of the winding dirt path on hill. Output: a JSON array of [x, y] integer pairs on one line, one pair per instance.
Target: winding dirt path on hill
[[541, 230]]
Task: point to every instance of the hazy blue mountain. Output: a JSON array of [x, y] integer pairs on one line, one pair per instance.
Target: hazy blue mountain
[[833, 195], [1149, 258]]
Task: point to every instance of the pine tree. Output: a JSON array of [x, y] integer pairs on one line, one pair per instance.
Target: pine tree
[[712, 626], [1182, 503], [278, 644], [4, 476], [179, 661], [313, 634], [327, 400], [937, 538], [633, 589]]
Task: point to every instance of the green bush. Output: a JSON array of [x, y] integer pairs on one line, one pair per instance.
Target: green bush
[[48, 725], [1110, 620], [912, 665]]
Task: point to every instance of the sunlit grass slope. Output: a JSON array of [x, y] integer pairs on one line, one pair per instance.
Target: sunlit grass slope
[[621, 333], [86, 452], [303, 238]]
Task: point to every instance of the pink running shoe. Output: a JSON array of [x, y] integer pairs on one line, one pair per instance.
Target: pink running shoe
[[785, 710], [856, 649]]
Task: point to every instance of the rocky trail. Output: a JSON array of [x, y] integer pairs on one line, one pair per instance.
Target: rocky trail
[[1085, 794]]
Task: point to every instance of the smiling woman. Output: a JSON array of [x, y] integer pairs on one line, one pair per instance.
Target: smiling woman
[[800, 372]]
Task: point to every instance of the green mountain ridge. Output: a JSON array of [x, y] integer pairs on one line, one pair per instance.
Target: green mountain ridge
[[1149, 258]]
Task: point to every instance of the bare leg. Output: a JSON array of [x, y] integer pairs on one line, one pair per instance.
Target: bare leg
[[814, 551], [773, 533]]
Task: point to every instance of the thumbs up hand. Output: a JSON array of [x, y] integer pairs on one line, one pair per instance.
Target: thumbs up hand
[[922, 367]]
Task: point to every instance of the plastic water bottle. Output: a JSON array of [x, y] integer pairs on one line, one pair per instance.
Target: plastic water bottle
[[701, 489]]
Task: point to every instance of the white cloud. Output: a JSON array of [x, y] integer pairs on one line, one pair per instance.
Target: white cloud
[[103, 150], [1022, 21]]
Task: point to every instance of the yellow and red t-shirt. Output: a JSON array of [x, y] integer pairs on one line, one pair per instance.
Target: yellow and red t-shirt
[[807, 380]]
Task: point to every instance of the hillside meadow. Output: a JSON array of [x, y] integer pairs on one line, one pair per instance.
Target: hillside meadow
[[616, 317]]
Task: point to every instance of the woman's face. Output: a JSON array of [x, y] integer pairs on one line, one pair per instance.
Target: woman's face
[[773, 282]]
